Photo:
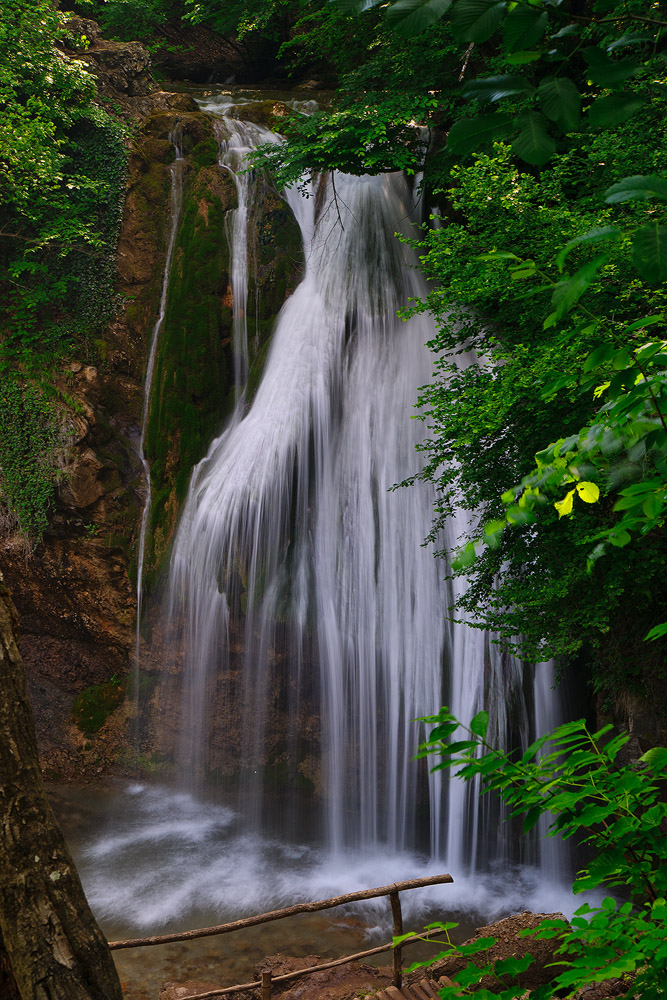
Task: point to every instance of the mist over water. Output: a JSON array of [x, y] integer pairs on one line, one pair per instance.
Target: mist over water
[[168, 861]]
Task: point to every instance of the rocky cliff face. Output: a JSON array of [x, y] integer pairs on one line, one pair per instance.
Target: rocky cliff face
[[76, 592]]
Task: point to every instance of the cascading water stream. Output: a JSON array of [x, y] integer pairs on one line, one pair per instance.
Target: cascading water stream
[[175, 204], [236, 138]]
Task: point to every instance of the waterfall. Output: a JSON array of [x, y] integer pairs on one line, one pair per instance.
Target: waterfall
[[175, 201], [305, 625], [299, 584]]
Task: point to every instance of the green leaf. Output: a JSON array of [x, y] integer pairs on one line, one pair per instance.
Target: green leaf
[[564, 506], [531, 818], [608, 72], [524, 26], [657, 631], [534, 749], [442, 731], [652, 506], [480, 724], [460, 745], [569, 31], [494, 88], [513, 966], [596, 235], [464, 557], [649, 252], [600, 356], [561, 101], [632, 38], [639, 324], [637, 188], [568, 292], [410, 17], [656, 757], [471, 973], [614, 109], [493, 531], [497, 255], [534, 144], [521, 58], [469, 134], [476, 20], [520, 515]]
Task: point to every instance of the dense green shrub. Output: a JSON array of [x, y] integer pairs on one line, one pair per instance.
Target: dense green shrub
[[62, 179], [486, 421], [28, 439], [577, 781]]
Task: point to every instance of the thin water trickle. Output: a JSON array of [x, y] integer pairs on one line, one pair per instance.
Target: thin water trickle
[[236, 139], [175, 203]]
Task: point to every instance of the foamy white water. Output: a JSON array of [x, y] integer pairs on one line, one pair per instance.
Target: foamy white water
[[169, 859]]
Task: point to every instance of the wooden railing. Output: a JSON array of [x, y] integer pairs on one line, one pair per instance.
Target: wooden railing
[[288, 911]]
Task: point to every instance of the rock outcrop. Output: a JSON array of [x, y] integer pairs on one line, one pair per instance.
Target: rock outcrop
[[119, 67], [195, 53]]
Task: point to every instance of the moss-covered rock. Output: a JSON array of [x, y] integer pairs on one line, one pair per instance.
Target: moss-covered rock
[[267, 113], [193, 382], [205, 153], [193, 387], [93, 706], [276, 268]]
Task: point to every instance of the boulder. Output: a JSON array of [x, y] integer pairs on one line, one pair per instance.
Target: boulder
[[194, 52]]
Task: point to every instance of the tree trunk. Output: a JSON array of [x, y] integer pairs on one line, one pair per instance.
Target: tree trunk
[[50, 945], [8, 988]]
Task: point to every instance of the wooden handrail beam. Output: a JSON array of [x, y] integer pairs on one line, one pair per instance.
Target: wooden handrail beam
[[287, 911]]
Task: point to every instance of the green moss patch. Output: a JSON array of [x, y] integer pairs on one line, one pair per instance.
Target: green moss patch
[[93, 706], [274, 273], [193, 382], [205, 153]]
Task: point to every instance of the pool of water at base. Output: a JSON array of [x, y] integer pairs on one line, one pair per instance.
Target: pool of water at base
[[153, 860]]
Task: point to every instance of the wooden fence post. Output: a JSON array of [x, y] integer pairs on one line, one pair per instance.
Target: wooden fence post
[[266, 985], [395, 901]]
